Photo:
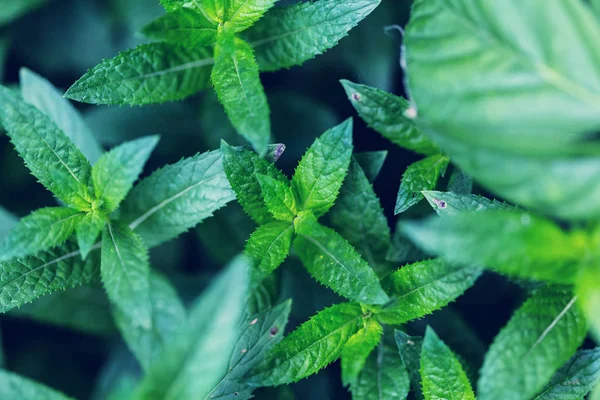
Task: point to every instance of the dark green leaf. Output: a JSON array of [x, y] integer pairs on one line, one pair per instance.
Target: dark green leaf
[[16, 387], [371, 162], [410, 353], [420, 176]]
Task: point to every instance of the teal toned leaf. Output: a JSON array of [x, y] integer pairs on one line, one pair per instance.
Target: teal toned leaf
[[510, 242], [460, 183], [150, 73], [321, 171], [314, 345], [177, 197], [442, 375], [574, 379], [291, 35], [587, 288], [16, 387], [237, 83], [420, 176], [387, 114], [88, 229], [7, 222], [278, 197], [402, 249], [357, 350], [332, 261], [26, 279], [242, 14], [359, 218], [48, 153], [542, 335], [116, 171], [11, 10], [410, 353], [371, 162], [126, 274], [39, 92], [419, 289], [596, 6], [184, 27], [41, 230], [450, 203], [268, 247]]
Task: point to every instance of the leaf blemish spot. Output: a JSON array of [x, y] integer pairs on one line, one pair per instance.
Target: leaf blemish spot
[[274, 331], [440, 203], [411, 112], [254, 321], [244, 351], [356, 96]]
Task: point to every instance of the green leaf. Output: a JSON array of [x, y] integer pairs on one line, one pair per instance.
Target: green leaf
[[16, 387], [126, 274], [150, 73], [357, 350], [595, 395], [574, 379], [167, 318], [420, 176], [314, 345], [388, 115], [185, 27], [48, 153], [510, 242], [88, 229], [371, 162], [450, 203], [268, 247], [596, 6], [11, 10], [237, 83], [242, 166], [291, 35], [332, 261], [196, 360], [40, 93], [242, 14], [319, 176], [256, 336], [442, 375], [41, 230], [421, 288], [116, 171], [359, 218], [409, 348], [7, 222], [587, 288], [177, 197], [26, 279], [460, 183], [542, 335], [278, 197]]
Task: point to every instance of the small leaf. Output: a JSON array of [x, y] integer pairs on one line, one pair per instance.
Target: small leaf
[[116, 171], [291, 35], [540, 337], [332, 261], [387, 114], [420, 176], [321, 171], [357, 350], [510, 242], [450, 203], [371, 162], [88, 229], [315, 344], [47, 151], [409, 348], [150, 73], [16, 387], [278, 197], [421, 288], [242, 14], [237, 83], [41, 230], [268, 247], [460, 183], [587, 288], [442, 375], [184, 27]]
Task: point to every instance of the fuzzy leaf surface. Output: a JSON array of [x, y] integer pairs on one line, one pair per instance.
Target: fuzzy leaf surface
[[278, 197], [420, 176], [268, 247]]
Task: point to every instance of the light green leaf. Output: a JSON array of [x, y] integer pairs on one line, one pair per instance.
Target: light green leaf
[[150, 73], [23, 280], [268, 247], [587, 288], [88, 229], [40, 230], [510, 242], [371, 162], [357, 350], [409, 348], [291, 35], [314, 345], [450, 203], [321, 171], [442, 375], [574, 379], [242, 14], [40, 92], [332, 261], [185, 27], [116, 171], [237, 83], [595, 395], [278, 197], [420, 176], [421, 288], [126, 274], [389, 115], [48, 153], [16, 387], [11, 10], [357, 216], [7, 222], [542, 335], [596, 6], [177, 197], [196, 360]]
